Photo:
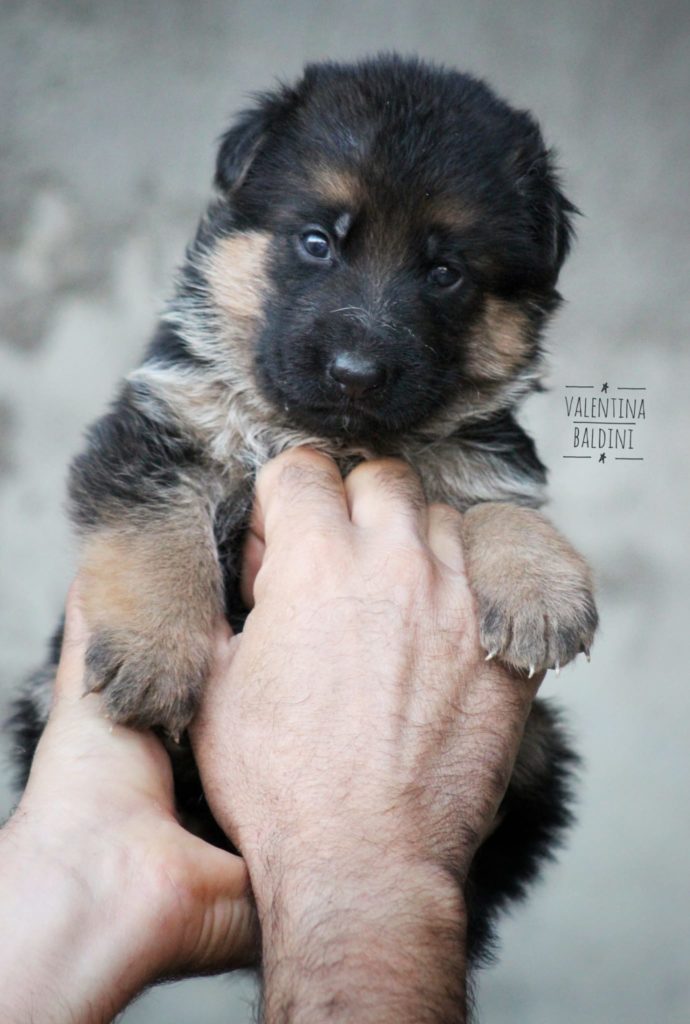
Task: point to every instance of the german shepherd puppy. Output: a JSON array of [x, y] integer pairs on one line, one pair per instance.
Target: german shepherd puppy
[[373, 277]]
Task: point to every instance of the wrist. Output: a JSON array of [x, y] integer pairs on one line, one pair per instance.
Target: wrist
[[359, 937], [74, 948]]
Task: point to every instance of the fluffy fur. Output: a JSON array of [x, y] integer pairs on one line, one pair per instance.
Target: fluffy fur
[[373, 277]]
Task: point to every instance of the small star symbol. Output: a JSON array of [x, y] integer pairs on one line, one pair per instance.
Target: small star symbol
[[602, 457], [605, 387]]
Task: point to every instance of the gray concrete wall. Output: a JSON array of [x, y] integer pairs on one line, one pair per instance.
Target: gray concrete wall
[[110, 111]]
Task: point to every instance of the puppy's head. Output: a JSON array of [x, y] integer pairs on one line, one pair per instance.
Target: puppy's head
[[392, 234]]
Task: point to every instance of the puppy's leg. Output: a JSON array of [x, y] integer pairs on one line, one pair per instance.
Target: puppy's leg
[[152, 587], [151, 597], [533, 590]]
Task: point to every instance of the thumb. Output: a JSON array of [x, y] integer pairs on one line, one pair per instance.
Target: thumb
[[252, 557], [69, 681], [225, 647]]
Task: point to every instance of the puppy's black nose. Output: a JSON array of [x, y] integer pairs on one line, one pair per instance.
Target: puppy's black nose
[[357, 373]]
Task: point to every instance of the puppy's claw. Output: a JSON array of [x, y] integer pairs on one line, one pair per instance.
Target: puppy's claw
[[557, 668], [531, 672], [490, 655], [585, 651]]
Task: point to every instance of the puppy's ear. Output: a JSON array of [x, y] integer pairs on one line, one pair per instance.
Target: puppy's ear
[[550, 212], [251, 131]]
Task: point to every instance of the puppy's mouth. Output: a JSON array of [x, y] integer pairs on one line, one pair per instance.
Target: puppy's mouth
[[356, 419]]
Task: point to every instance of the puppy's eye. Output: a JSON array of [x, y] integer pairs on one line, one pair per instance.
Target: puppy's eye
[[444, 276], [316, 244]]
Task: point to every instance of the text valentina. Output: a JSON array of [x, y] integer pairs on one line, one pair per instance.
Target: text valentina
[[605, 408]]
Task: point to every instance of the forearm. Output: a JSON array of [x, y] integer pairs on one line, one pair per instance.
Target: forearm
[[348, 938]]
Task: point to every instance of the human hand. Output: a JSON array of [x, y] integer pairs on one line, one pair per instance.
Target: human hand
[[105, 890], [368, 742]]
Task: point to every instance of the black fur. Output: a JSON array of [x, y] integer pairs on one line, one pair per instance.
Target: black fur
[[167, 348], [503, 437], [27, 720], [25, 726], [130, 462]]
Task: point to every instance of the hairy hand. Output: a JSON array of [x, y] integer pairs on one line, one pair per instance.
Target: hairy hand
[[368, 742], [358, 691]]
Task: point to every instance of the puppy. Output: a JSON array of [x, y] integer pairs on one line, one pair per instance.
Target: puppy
[[373, 277]]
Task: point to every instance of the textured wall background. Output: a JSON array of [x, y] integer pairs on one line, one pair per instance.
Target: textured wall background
[[110, 111]]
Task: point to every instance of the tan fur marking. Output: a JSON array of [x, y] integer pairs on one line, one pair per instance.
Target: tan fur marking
[[141, 579], [533, 590], [499, 344], [236, 274], [113, 575], [512, 549], [151, 596], [342, 188], [447, 213]]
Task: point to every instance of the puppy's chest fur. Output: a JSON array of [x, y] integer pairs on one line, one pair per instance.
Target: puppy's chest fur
[[238, 431]]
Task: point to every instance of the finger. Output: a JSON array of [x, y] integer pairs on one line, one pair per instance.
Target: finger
[[223, 633], [69, 681], [508, 691], [444, 536], [252, 557], [217, 873], [235, 936], [298, 492], [532, 684], [386, 492], [224, 650], [229, 936], [225, 647]]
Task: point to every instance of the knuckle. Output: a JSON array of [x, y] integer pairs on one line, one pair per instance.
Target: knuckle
[[370, 468], [393, 476], [447, 517], [410, 567], [299, 460], [400, 481], [320, 548], [312, 479]]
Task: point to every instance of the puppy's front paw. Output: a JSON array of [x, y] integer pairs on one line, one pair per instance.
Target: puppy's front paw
[[536, 630], [533, 590], [145, 681]]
